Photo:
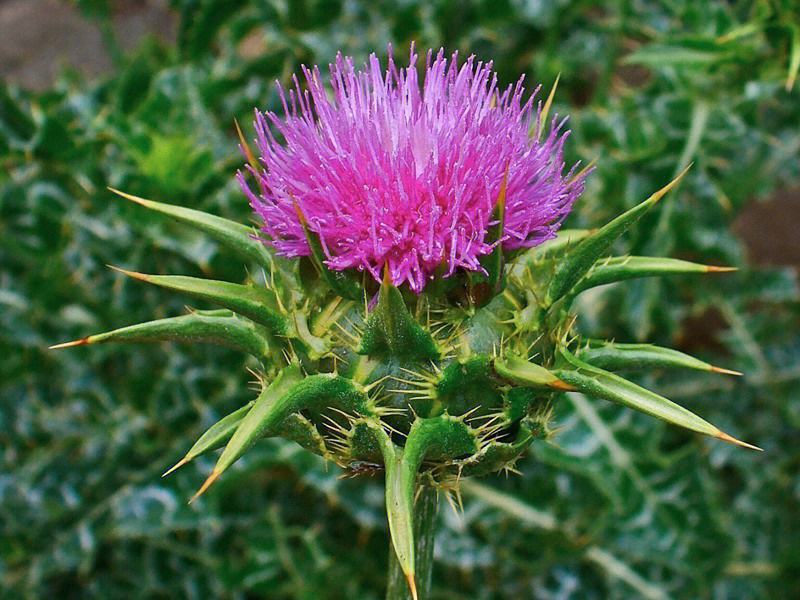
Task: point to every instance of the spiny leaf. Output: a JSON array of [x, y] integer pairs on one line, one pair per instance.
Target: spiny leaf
[[620, 268], [439, 438], [289, 393], [614, 356], [522, 372], [564, 240], [602, 384], [345, 284], [258, 420], [225, 330], [256, 303], [572, 267], [230, 234], [215, 436], [392, 331]]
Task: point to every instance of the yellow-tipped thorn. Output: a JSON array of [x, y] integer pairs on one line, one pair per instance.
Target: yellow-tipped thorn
[[300, 214], [176, 466], [547, 104], [412, 585], [206, 484], [131, 197], [387, 278], [732, 440], [726, 371], [248, 153], [557, 384], [134, 274], [716, 269], [501, 195], [663, 191], [81, 342]]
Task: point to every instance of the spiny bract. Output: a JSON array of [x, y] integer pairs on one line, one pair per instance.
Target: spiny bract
[[431, 384]]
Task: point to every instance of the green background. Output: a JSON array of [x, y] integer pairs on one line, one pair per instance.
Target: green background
[[617, 506]]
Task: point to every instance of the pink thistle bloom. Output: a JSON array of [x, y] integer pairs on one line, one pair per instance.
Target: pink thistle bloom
[[390, 171]]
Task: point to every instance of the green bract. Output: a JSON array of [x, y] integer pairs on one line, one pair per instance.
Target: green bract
[[431, 388]]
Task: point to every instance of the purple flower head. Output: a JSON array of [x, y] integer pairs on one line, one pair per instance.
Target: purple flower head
[[390, 171]]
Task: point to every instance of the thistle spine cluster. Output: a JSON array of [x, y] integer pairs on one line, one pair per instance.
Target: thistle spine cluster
[[430, 388]]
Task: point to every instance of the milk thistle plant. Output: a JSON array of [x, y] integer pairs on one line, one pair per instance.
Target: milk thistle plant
[[415, 314]]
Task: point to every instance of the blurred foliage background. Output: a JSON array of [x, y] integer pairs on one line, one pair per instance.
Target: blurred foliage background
[[618, 506]]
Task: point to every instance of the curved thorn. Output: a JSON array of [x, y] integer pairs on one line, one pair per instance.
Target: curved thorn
[[412, 585], [176, 466], [133, 274], [206, 484], [81, 342], [663, 191], [131, 197], [732, 440], [726, 371]]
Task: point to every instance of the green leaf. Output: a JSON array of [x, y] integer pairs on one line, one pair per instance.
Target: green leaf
[[230, 234], [227, 330], [564, 240], [620, 268], [215, 436], [614, 356], [441, 438], [289, 393], [595, 382], [256, 303], [264, 414], [522, 372], [578, 261], [392, 331]]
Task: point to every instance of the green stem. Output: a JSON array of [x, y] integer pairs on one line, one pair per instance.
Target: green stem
[[425, 510]]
